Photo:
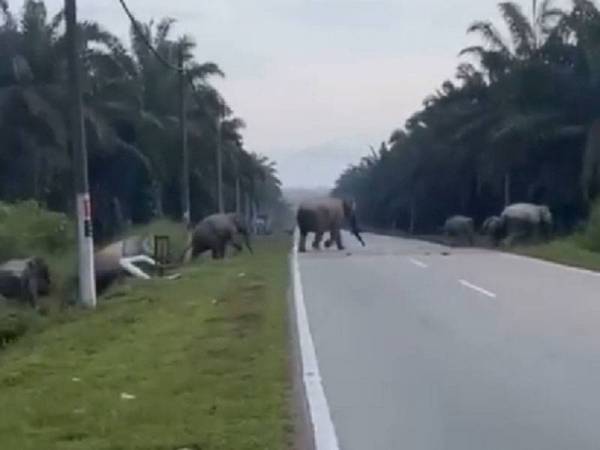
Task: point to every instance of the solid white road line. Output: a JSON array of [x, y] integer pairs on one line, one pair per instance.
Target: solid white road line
[[418, 263], [477, 288], [324, 431]]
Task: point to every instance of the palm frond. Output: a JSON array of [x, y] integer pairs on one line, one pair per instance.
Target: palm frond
[[531, 125], [490, 35], [163, 29], [43, 110], [9, 19], [521, 30], [200, 72]]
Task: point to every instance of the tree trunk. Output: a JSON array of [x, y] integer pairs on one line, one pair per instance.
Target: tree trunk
[[238, 193], [158, 200], [413, 213], [247, 211], [507, 186]]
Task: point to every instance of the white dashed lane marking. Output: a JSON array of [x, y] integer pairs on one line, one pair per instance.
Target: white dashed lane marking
[[476, 288]]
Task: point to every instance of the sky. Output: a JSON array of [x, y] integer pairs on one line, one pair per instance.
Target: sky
[[317, 81]]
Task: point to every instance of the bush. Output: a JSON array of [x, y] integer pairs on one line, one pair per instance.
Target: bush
[[14, 323], [590, 237], [27, 229]]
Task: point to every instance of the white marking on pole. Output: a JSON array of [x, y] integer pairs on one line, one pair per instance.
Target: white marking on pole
[[418, 263], [477, 288], [87, 280], [323, 429]]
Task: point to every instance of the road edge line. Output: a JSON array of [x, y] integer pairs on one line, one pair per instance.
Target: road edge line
[[556, 265], [325, 437]]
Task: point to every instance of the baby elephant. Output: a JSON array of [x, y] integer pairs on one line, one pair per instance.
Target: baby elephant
[[215, 232], [460, 227]]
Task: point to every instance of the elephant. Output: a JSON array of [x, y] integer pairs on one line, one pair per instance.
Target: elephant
[[326, 215], [119, 258], [460, 227], [494, 227], [215, 232], [522, 220]]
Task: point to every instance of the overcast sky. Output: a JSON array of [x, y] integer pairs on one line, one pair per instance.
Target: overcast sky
[[317, 81]]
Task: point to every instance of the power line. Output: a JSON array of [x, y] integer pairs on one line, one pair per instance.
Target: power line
[[140, 32], [144, 38]]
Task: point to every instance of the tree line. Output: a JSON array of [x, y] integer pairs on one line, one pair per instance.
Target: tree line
[[131, 115], [519, 122]]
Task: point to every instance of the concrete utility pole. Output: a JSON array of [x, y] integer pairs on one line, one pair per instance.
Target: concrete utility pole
[[85, 239], [220, 199], [185, 176]]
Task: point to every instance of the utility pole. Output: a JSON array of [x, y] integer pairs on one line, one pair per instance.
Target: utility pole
[[185, 176], [85, 239], [220, 200]]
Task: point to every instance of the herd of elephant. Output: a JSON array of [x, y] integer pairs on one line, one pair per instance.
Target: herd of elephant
[[328, 215], [517, 222], [319, 216]]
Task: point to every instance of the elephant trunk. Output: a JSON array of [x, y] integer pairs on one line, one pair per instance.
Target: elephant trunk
[[247, 242], [355, 230]]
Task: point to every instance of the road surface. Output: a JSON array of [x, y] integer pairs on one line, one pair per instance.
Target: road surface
[[422, 347]]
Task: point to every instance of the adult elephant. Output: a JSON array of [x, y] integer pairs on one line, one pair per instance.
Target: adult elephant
[[494, 227], [324, 215], [460, 227], [522, 220], [215, 232], [120, 258]]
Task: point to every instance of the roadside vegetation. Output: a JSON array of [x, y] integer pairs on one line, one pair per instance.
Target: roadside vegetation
[[198, 362], [27, 229], [195, 363], [580, 249], [131, 112]]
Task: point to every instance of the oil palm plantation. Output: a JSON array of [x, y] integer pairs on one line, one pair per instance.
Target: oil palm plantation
[[518, 123], [131, 107]]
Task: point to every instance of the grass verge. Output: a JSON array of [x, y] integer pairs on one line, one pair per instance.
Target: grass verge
[[566, 251], [196, 363]]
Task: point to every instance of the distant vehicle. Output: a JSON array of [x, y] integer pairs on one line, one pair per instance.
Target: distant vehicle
[[262, 225]]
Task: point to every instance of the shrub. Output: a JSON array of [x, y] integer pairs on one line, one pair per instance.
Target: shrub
[[26, 229], [590, 237]]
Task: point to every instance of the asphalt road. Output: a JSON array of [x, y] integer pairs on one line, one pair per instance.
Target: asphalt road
[[471, 350]]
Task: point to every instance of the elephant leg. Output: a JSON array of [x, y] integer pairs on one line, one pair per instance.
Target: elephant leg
[[329, 242], [302, 243], [338, 240], [317, 242], [222, 248]]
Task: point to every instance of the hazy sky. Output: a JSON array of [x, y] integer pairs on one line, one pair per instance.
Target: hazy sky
[[317, 81]]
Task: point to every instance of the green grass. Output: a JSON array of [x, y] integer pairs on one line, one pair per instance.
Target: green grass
[[567, 251], [204, 357]]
